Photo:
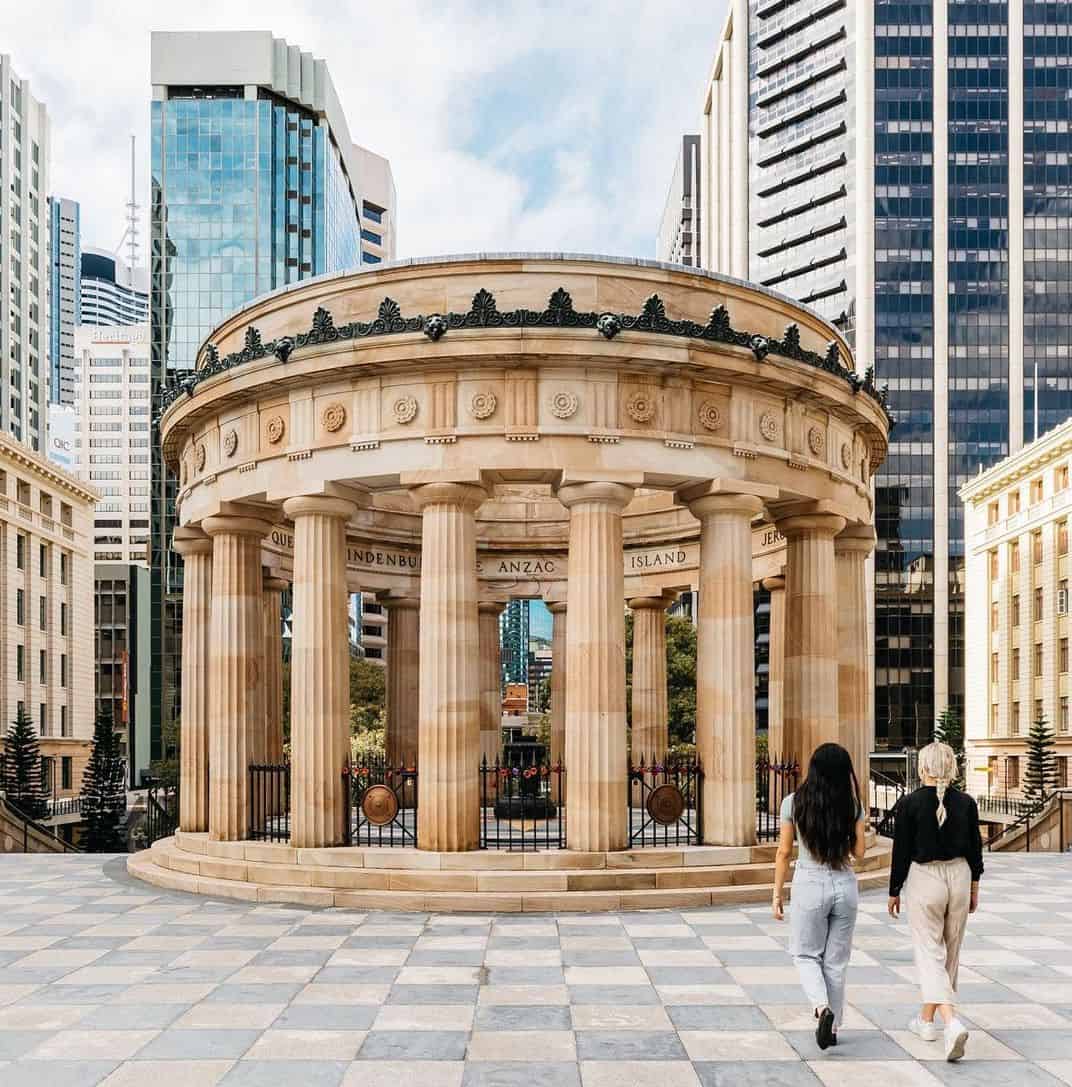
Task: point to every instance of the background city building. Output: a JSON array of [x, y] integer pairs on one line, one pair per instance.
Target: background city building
[[679, 230], [368, 628], [113, 431], [904, 168], [1016, 516], [110, 292], [24, 259], [514, 630], [65, 273], [46, 606], [256, 183]]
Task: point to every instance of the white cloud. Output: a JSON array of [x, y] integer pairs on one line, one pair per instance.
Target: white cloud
[[599, 94]]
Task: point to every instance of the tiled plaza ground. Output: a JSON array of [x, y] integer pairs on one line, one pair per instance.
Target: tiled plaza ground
[[104, 980]]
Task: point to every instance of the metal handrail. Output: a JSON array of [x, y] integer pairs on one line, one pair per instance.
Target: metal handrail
[[1024, 822], [28, 824]]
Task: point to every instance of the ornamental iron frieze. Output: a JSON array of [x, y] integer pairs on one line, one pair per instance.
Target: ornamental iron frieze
[[559, 313]]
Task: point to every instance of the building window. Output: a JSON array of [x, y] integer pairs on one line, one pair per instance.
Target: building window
[[992, 514], [20, 551], [993, 667], [43, 709], [1062, 772], [20, 663], [1063, 655], [66, 772], [1060, 478], [993, 615], [1036, 547], [1012, 772], [1038, 604], [1014, 720], [42, 613], [64, 727], [993, 566], [43, 559], [63, 619], [1062, 596], [43, 658], [63, 669], [1038, 709], [1014, 556], [63, 568], [1016, 664], [1038, 658], [1036, 491], [1014, 502], [993, 719], [1016, 610], [1062, 537], [20, 607], [1062, 720]]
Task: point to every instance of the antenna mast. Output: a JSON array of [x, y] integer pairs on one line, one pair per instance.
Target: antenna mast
[[130, 235]]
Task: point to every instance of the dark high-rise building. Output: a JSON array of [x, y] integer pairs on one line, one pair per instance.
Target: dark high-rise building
[[514, 626]]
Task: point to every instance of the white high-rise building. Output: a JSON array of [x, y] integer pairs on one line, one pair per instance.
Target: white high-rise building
[[112, 436], [679, 230], [24, 260], [64, 247], [111, 292]]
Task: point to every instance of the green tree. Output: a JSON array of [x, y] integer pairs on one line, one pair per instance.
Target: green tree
[[24, 775], [543, 695], [166, 769], [104, 789], [1040, 774], [368, 695], [950, 730]]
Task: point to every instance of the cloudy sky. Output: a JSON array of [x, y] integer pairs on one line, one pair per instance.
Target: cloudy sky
[[524, 125]]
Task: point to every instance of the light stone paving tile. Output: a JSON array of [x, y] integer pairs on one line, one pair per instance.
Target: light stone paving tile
[[438, 975], [404, 1074], [1044, 992], [212, 1016], [1013, 1017], [273, 975], [166, 993], [606, 1017], [638, 1074], [330, 993], [527, 1045], [981, 1047], [168, 1073], [684, 959], [524, 994], [107, 975], [703, 994], [10, 993], [450, 943], [1061, 1070], [764, 975], [368, 956], [211, 957], [42, 1017], [606, 975], [790, 1017], [736, 1045], [92, 1045], [530, 957], [424, 1017], [887, 1073], [641, 929], [306, 943], [297, 1045]]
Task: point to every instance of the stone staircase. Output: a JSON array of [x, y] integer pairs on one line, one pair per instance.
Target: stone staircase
[[480, 882]]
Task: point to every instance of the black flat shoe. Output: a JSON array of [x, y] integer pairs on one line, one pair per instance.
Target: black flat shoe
[[824, 1032]]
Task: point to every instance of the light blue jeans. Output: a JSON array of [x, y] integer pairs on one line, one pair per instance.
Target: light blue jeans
[[822, 913]]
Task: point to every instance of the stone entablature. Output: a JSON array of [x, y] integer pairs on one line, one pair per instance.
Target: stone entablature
[[594, 460]]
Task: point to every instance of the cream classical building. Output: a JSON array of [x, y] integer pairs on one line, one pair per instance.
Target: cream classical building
[[1016, 519], [453, 433], [46, 607]]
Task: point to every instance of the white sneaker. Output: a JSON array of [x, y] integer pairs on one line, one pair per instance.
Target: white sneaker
[[923, 1030], [956, 1038]]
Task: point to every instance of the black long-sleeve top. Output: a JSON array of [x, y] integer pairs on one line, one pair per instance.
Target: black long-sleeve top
[[918, 837]]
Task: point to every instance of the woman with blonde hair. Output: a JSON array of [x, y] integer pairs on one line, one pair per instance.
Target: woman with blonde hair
[[937, 860]]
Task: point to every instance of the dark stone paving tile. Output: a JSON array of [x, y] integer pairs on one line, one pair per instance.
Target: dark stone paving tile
[[363, 975], [635, 1045], [17, 1043], [284, 957], [198, 1045], [56, 1073], [280, 1073], [717, 1017], [1037, 1045], [689, 975], [271, 993], [755, 1074], [525, 975], [513, 1017], [592, 957], [854, 1045], [445, 957], [327, 1017], [414, 1045], [733, 957], [520, 1074], [969, 1073], [72, 994], [432, 994], [668, 943], [367, 937]]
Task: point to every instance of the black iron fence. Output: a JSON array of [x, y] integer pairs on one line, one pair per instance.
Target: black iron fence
[[774, 782], [666, 802], [161, 811], [1002, 804], [382, 807], [885, 793], [269, 802], [519, 809]]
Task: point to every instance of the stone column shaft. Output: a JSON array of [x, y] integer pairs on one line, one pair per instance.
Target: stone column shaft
[[236, 669], [490, 681], [320, 671], [776, 668], [856, 732], [196, 550], [810, 715], [448, 815], [596, 802], [651, 706], [558, 697], [725, 667], [273, 670], [403, 679]]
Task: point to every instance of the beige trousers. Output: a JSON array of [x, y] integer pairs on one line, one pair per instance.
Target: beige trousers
[[937, 896]]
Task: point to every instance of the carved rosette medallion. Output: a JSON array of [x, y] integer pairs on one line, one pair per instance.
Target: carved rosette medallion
[[816, 441], [200, 458], [483, 405], [641, 407], [564, 404], [405, 409], [230, 442], [846, 455], [333, 417], [275, 429], [768, 426], [709, 415]]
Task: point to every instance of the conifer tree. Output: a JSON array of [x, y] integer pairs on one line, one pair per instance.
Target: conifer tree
[[24, 777], [950, 730], [1040, 774], [104, 790]]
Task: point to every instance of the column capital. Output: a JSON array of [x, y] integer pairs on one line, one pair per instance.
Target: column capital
[[236, 522], [774, 584], [398, 603], [191, 540], [607, 493], [328, 505], [468, 496], [858, 538], [556, 607], [273, 584], [707, 505], [811, 523], [652, 598], [491, 607]]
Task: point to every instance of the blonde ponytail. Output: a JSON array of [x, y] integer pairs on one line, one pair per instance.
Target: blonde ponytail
[[938, 762]]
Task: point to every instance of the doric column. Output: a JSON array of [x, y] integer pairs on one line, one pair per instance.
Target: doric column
[[273, 670], [775, 667], [196, 550], [810, 698], [403, 677], [319, 670], [651, 709], [596, 812], [236, 668], [725, 667], [490, 680], [557, 753], [449, 717], [851, 548]]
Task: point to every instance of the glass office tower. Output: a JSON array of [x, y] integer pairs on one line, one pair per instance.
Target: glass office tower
[[514, 630], [254, 185]]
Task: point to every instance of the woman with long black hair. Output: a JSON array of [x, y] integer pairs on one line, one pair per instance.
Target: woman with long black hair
[[825, 818]]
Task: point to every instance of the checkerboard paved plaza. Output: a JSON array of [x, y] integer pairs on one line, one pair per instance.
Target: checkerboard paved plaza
[[105, 980]]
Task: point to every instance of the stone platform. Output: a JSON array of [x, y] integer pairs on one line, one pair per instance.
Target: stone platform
[[486, 881]]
